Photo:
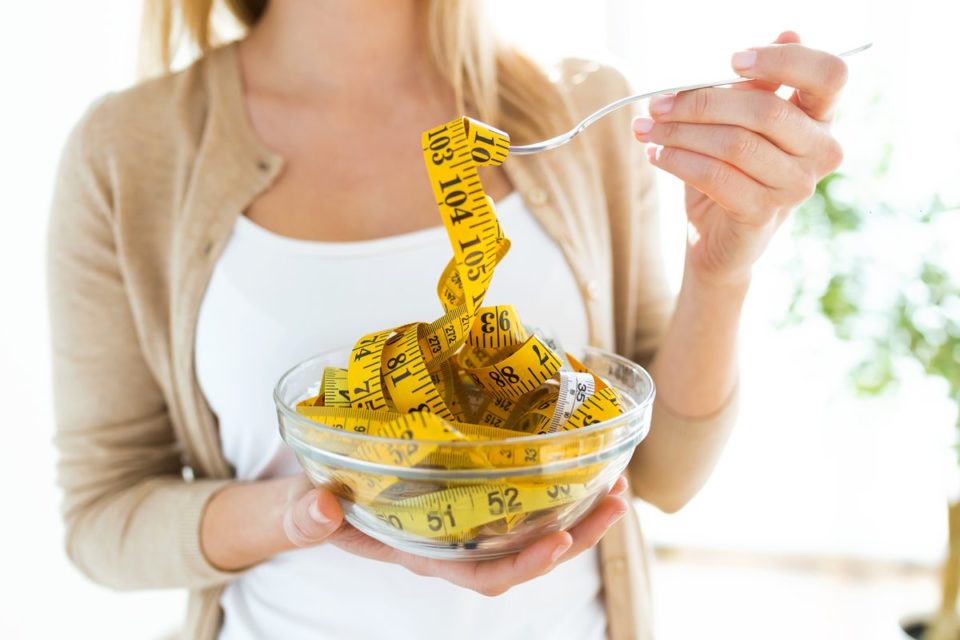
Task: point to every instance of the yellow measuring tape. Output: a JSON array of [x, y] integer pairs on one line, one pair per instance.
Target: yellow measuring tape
[[474, 374]]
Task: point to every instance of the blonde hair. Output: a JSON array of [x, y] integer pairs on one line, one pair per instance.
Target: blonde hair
[[491, 81]]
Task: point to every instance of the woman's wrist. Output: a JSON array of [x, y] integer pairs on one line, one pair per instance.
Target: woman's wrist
[[242, 524], [715, 292]]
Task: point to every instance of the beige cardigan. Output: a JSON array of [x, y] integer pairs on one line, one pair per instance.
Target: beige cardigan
[[150, 184]]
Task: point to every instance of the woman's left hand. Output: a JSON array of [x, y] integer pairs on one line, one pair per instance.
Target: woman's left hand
[[748, 157]]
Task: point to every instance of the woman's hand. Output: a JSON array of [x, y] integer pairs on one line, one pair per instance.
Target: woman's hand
[[297, 515], [494, 577], [747, 156]]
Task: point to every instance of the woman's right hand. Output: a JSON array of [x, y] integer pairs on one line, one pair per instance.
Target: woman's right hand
[[303, 516]]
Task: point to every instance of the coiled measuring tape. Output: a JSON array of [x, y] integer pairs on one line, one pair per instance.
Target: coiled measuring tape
[[475, 373]]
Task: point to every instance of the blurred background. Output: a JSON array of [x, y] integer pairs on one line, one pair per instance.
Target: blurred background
[[826, 517]]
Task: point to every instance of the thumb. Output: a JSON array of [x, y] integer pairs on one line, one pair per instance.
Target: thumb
[[312, 518]]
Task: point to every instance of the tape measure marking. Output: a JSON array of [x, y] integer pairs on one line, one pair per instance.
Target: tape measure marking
[[473, 374]]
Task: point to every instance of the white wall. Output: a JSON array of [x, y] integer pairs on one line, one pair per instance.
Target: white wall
[[56, 58]]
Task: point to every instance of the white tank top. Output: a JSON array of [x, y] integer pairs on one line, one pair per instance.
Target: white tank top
[[273, 301]]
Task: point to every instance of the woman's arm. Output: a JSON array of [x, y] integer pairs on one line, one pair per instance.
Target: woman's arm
[[696, 370], [694, 332], [131, 519], [748, 158], [696, 366]]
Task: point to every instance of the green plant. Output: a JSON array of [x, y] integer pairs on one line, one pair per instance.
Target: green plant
[[909, 314], [919, 322]]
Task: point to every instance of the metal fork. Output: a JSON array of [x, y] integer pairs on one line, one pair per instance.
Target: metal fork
[[564, 138]]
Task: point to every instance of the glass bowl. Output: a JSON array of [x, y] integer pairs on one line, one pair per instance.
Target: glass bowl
[[468, 499]]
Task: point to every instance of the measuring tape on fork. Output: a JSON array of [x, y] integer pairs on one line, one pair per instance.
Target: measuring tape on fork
[[473, 374]]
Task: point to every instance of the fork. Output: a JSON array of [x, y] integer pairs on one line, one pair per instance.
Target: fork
[[564, 138]]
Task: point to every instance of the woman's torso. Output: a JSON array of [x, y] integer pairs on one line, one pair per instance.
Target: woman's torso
[[353, 150], [273, 301]]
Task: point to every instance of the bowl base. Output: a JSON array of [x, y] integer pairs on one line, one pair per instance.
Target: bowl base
[[487, 548]]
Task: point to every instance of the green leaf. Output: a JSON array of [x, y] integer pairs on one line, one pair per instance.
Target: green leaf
[[875, 375], [945, 363], [883, 165], [825, 216], [935, 208], [916, 326], [838, 303]]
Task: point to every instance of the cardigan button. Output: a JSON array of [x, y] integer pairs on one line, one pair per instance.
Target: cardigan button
[[593, 289], [537, 197], [617, 565]]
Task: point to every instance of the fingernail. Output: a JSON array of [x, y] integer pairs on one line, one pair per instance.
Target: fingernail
[[642, 125], [652, 152], [616, 516], [316, 514], [621, 488], [744, 59], [662, 103], [559, 550]]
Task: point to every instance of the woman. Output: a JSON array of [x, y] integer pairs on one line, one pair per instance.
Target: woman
[[213, 226]]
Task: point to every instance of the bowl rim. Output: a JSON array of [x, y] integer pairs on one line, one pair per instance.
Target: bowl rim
[[473, 474], [291, 414]]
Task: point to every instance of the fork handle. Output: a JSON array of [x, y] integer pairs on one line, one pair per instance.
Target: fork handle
[[564, 138]]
